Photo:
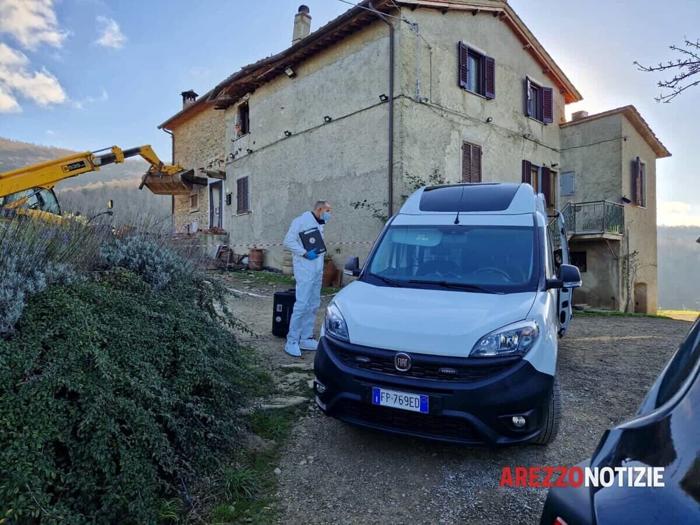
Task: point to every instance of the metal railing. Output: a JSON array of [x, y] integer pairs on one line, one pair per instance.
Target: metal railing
[[594, 217]]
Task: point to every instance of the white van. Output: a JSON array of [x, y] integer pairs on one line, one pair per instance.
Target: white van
[[450, 331]]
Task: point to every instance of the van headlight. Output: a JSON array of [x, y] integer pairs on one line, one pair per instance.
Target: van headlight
[[514, 339], [335, 323]]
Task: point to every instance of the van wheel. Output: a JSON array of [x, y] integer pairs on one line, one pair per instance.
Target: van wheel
[[552, 417]]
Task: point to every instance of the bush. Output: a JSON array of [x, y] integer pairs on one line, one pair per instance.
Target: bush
[[156, 263], [113, 398], [24, 270]]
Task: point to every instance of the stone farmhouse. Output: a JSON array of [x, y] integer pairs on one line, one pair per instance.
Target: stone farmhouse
[[394, 94]]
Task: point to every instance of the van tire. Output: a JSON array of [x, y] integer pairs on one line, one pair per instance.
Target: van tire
[[552, 417]]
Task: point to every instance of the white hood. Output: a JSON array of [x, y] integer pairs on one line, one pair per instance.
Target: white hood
[[436, 322]]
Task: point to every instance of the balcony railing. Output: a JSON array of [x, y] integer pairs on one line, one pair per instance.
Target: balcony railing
[[594, 218]]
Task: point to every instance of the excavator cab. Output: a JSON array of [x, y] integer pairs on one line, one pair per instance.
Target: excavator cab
[[38, 199]]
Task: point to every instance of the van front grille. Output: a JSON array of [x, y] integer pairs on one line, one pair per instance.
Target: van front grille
[[383, 362]]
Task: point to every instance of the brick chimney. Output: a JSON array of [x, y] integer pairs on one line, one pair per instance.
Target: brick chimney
[[302, 24], [578, 115], [188, 98]]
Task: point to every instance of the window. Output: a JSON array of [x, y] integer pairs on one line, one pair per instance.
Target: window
[[539, 102], [639, 182], [541, 178], [194, 202], [242, 204], [243, 120], [473, 258], [34, 199], [578, 259], [477, 72], [471, 162], [567, 184]]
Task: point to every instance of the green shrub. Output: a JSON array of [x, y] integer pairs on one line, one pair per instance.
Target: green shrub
[[114, 397], [35, 254], [153, 261]]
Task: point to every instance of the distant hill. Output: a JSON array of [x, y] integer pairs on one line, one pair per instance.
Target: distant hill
[[679, 260], [89, 193], [15, 154]]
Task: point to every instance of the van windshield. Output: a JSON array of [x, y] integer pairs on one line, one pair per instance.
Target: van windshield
[[487, 259]]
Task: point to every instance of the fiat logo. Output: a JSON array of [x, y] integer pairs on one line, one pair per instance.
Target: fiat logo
[[402, 362]]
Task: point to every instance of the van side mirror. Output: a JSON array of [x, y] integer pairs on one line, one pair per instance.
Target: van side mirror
[[352, 267], [569, 277]]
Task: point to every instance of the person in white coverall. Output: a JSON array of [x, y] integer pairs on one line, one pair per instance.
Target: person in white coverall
[[308, 272]]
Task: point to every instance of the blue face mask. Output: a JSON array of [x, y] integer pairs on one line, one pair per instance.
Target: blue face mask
[[326, 216]]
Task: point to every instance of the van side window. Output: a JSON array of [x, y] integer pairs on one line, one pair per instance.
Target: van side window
[[550, 255]]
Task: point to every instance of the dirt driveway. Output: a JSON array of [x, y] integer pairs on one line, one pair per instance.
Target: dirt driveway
[[334, 473]]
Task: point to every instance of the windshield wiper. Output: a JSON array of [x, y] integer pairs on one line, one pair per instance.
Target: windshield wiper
[[457, 286], [390, 282]]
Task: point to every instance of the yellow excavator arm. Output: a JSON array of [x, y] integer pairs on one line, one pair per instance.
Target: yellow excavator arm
[[48, 174], [161, 179]]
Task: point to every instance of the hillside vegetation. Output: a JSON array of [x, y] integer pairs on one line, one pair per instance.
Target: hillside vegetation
[[679, 260], [88, 194]]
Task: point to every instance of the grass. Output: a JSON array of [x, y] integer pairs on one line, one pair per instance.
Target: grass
[[266, 278], [250, 484], [616, 313], [683, 315]]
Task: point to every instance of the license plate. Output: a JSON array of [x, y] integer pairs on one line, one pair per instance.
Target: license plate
[[400, 400]]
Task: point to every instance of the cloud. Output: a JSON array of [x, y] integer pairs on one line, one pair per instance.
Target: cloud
[[31, 23], [8, 103], [17, 79], [678, 213], [110, 33], [102, 97]]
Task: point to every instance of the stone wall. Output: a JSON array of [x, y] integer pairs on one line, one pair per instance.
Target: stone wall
[[198, 141]]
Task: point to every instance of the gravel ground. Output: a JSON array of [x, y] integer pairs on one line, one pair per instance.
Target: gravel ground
[[334, 473]]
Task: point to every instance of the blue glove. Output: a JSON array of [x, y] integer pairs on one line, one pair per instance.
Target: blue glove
[[311, 255]]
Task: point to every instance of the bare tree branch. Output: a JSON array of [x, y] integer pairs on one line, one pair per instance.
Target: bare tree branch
[[683, 68]]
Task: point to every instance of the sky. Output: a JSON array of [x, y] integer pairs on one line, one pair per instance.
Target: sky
[[88, 74]]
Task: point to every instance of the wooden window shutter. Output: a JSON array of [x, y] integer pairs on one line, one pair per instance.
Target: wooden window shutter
[[634, 181], [489, 77], [547, 105], [527, 172], [242, 195], [526, 98], [546, 189], [466, 162], [476, 163], [642, 184], [463, 59], [471, 162]]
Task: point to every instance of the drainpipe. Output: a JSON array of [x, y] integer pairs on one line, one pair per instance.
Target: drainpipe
[[392, 47]]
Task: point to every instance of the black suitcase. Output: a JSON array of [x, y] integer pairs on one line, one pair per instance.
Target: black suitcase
[[283, 304]]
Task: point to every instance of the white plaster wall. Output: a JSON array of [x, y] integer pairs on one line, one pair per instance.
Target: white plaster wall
[[343, 161], [433, 131]]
